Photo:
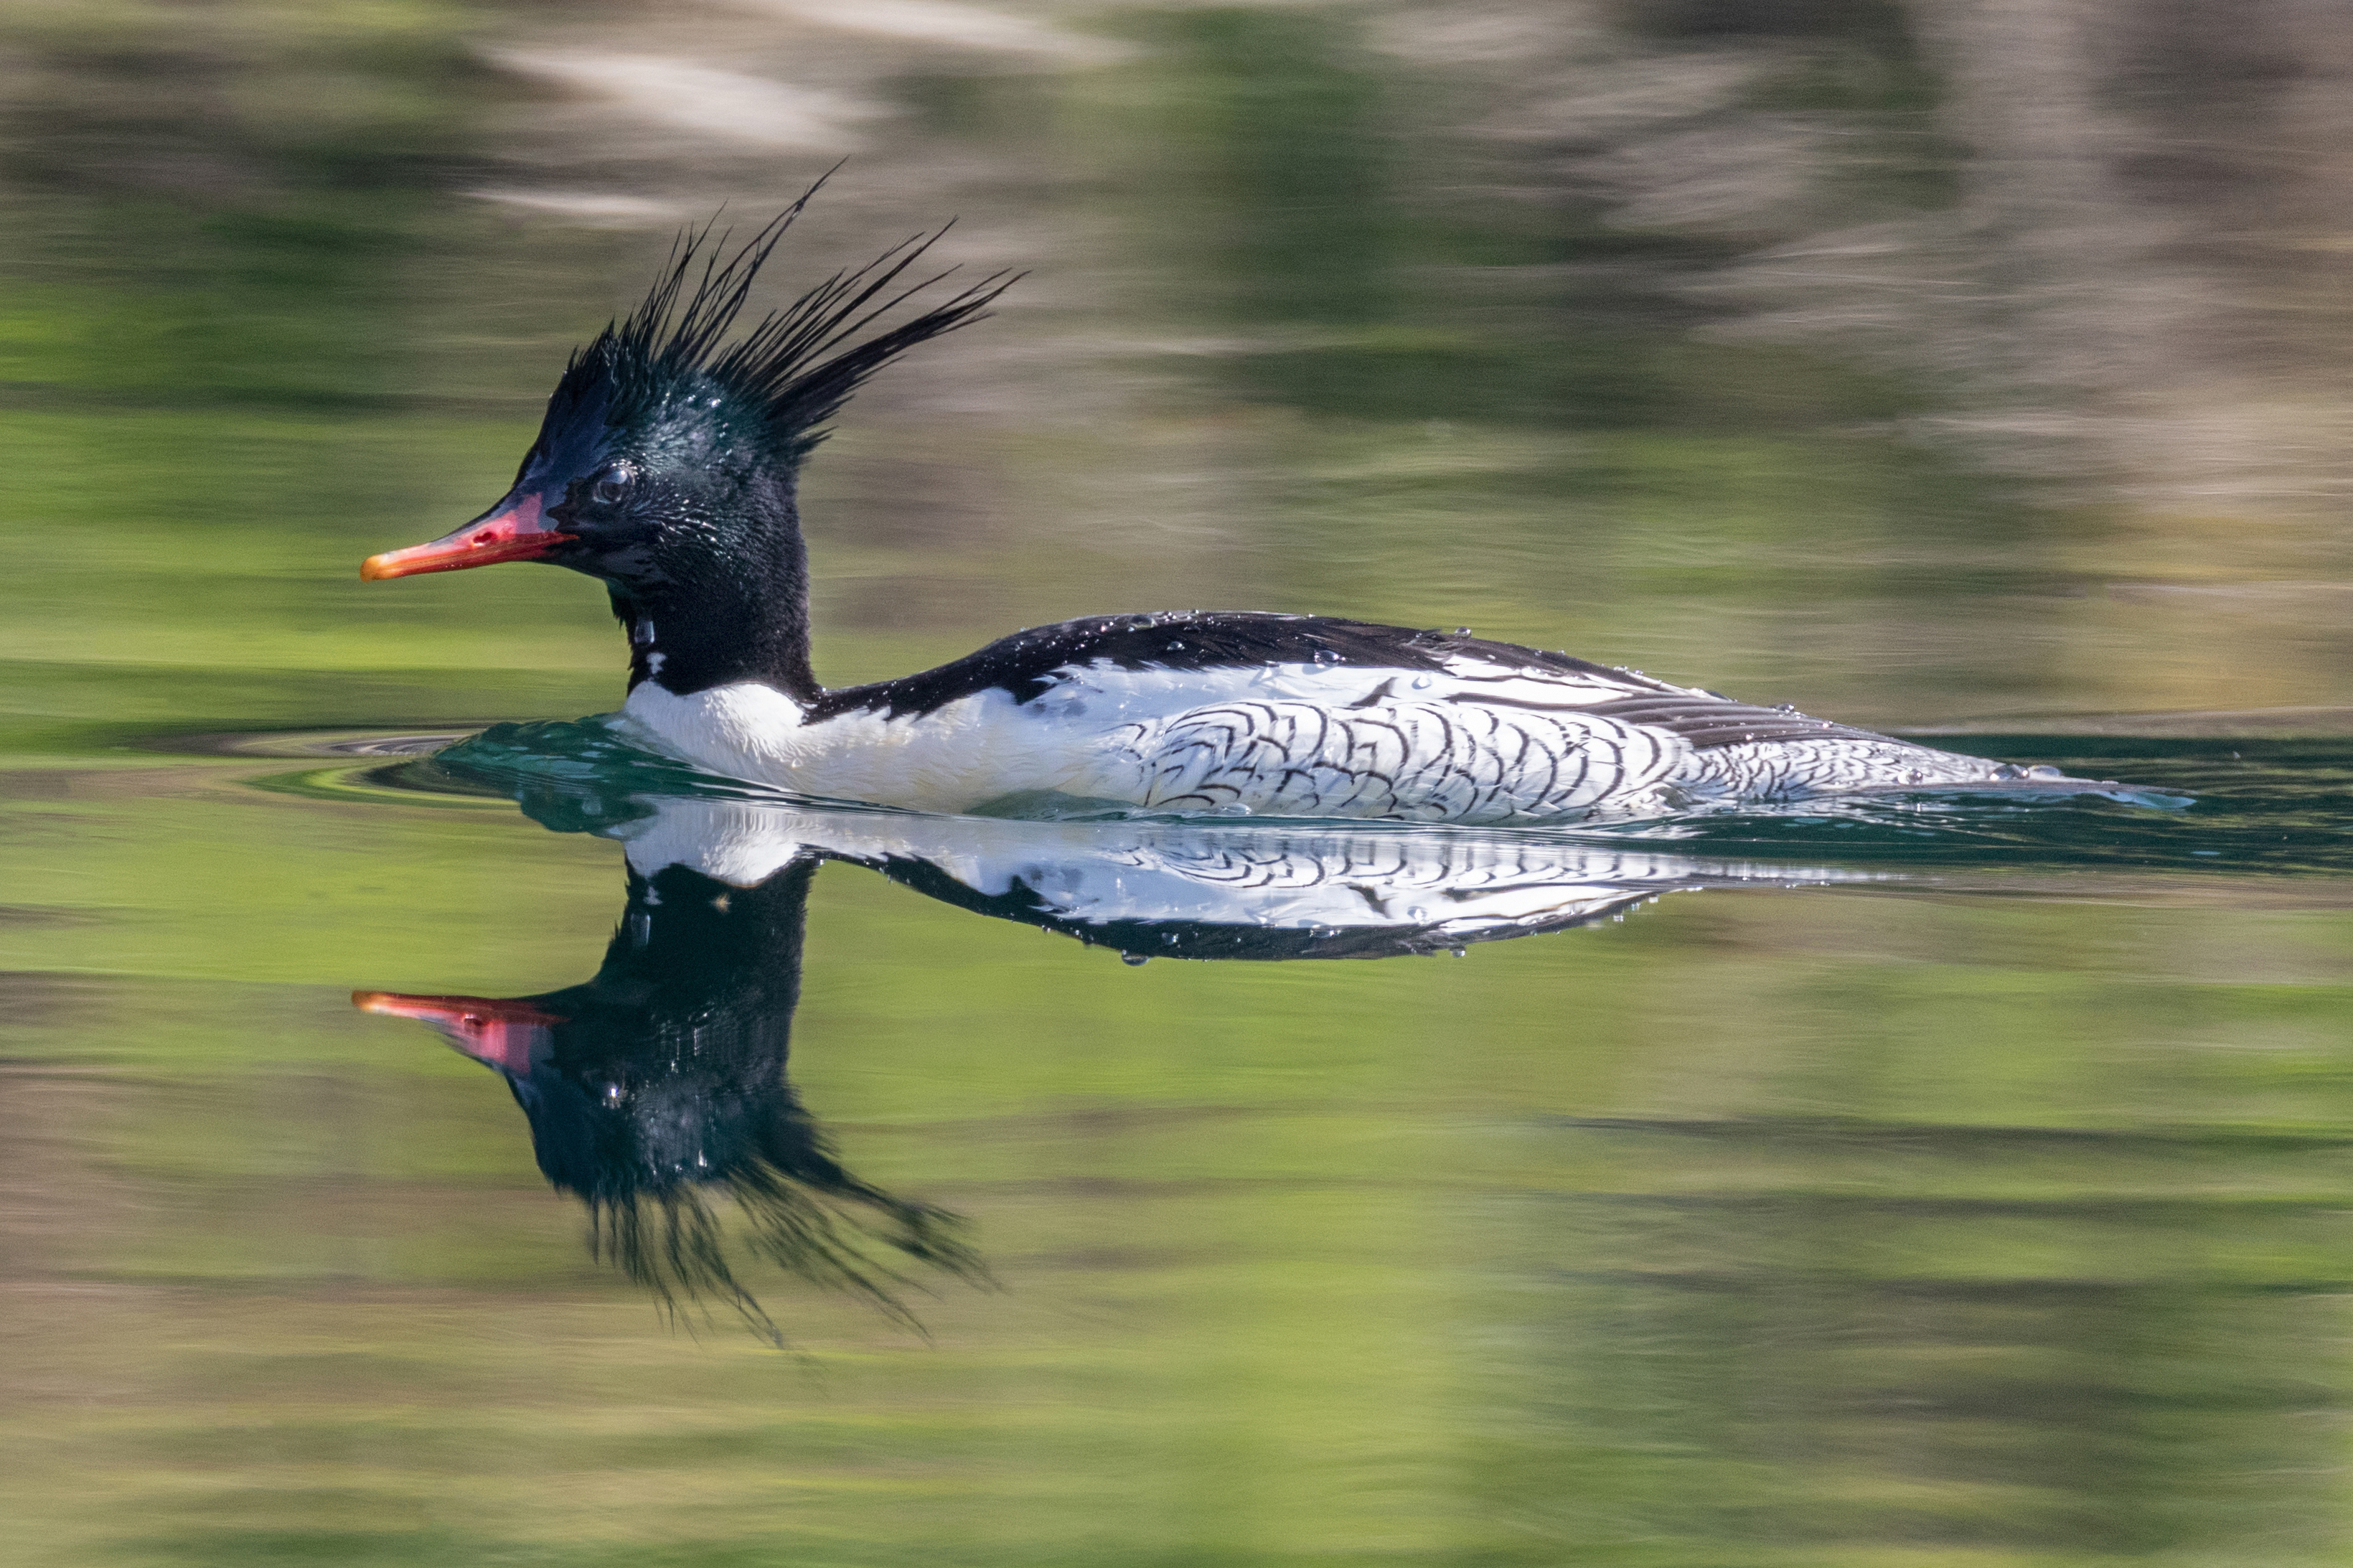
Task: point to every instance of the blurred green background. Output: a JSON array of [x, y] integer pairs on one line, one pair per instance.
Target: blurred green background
[[1943, 363]]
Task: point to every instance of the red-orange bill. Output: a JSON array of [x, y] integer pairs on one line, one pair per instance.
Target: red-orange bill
[[515, 534]]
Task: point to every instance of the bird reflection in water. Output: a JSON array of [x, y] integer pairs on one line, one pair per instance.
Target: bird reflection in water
[[656, 1089], [660, 1085]]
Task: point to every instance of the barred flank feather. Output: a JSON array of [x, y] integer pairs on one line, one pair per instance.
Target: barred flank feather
[[799, 365]]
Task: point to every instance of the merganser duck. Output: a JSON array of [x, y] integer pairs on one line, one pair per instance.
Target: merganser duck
[[667, 467]]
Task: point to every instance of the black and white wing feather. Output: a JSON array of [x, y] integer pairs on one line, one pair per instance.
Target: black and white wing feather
[[1306, 716]]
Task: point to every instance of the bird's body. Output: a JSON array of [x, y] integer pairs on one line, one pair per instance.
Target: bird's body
[[1294, 716], [667, 467]]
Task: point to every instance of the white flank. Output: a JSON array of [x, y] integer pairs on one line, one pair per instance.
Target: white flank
[[1473, 744]]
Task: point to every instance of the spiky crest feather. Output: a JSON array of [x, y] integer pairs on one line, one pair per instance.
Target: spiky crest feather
[[799, 366]]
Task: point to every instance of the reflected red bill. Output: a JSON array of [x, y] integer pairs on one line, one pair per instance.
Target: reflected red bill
[[501, 1031]]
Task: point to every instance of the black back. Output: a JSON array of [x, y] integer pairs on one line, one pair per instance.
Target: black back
[[1024, 663]]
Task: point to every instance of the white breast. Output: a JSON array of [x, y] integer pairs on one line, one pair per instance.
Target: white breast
[[949, 759]]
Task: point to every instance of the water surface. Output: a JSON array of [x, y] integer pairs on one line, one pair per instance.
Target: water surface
[[1924, 1182]]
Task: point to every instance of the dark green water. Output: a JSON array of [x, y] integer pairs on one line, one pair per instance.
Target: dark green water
[[1923, 1184]]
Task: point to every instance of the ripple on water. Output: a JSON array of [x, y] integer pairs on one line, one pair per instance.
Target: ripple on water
[[2182, 804], [2229, 803], [414, 742]]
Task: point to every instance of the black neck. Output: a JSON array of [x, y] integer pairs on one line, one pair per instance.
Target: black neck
[[740, 616], [696, 957]]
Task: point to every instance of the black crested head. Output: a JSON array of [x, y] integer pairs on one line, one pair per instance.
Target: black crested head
[[666, 465], [665, 364]]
